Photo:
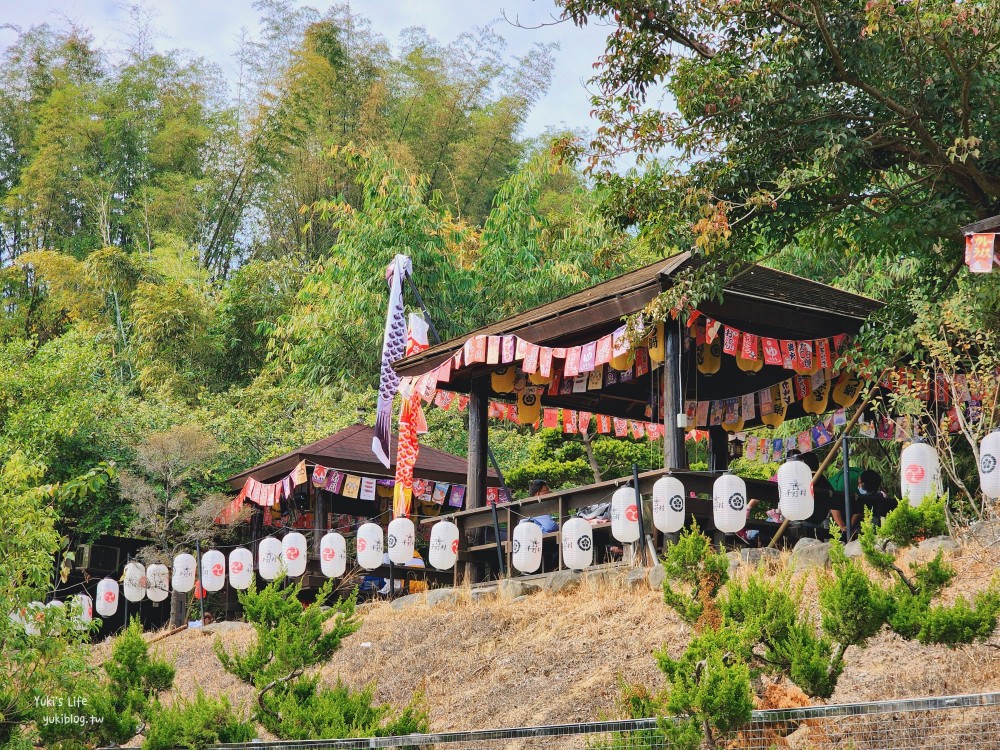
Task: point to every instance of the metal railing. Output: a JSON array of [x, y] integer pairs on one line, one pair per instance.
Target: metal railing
[[970, 722]]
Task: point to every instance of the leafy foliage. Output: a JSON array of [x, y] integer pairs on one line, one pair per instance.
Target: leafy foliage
[[700, 570], [196, 724], [309, 711], [290, 637]]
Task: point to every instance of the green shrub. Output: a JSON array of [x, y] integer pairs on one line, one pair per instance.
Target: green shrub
[[195, 724], [111, 711], [905, 524], [701, 571], [853, 608], [290, 637], [309, 711], [961, 623]]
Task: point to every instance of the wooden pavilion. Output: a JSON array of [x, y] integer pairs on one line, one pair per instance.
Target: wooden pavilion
[[348, 451], [760, 300]]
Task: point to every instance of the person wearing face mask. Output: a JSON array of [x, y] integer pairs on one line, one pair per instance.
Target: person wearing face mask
[[872, 496]]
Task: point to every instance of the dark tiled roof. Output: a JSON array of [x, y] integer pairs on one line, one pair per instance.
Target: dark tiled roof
[[761, 299], [350, 449]]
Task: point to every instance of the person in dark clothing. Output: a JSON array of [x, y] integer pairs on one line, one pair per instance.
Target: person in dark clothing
[[871, 495]]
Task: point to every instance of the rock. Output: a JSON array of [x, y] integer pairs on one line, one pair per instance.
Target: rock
[[479, 595], [222, 627], [437, 597], [853, 549], [932, 546], [799, 739], [986, 533], [513, 588], [637, 578], [601, 576], [563, 580], [734, 561], [816, 554], [657, 575], [754, 555], [407, 601]]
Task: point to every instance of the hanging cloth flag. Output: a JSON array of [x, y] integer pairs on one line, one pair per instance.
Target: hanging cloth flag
[[980, 253], [299, 475], [550, 418], [412, 424], [772, 352], [393, 347], [621, 426], [730, 341]]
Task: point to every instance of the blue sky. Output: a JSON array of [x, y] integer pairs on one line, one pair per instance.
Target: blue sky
[[211, 28]]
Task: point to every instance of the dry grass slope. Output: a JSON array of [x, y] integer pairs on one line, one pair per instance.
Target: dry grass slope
[[560, 658]]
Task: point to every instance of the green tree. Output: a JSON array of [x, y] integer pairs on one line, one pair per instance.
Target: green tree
[[42, 649]]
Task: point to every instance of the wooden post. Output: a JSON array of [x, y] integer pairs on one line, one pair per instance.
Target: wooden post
[[475, 493], [673, 437], [718, 449], [319, 511]]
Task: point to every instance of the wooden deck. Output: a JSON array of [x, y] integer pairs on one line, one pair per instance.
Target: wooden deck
[[476, 523]]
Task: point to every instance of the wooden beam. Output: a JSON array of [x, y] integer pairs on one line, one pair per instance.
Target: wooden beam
[[673, 438], [475, 492]]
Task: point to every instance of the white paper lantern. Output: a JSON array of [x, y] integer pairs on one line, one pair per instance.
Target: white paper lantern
[[269, 560], [527, 552], [157, 582], [399, 541], [369, 546], [134, 586], [624, 515], [729, 503], [240, 568], [213, 570], [796, 501], [444, 545], [83, 607], [920, 472], [668, 504], [293, 550], [333, 555], [989, 465], [107, 597], [577, 544], [34, 616], [183, 575]]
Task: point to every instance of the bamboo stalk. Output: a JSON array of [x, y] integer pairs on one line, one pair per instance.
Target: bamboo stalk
[[832, 454]]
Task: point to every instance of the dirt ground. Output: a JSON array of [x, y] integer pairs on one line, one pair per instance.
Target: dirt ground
[[555, 658]]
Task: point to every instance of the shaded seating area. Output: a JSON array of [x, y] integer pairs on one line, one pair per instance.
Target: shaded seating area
[[337, 484], [712, 368]]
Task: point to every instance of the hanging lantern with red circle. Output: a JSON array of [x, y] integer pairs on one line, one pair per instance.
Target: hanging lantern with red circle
[[443, 551], [293, 552], [107, 597], [240, 568], [333, 555], [624, 515], [369, 546], [134, 582], [213, 571], [920, 472]]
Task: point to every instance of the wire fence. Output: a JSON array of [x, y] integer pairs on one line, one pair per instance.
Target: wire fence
[[970, 722]]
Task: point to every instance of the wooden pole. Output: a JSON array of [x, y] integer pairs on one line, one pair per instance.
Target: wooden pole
[[830, 456], [673, 437], [475, 497]]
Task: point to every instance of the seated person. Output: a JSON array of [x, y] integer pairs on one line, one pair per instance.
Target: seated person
[[872, 496]]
